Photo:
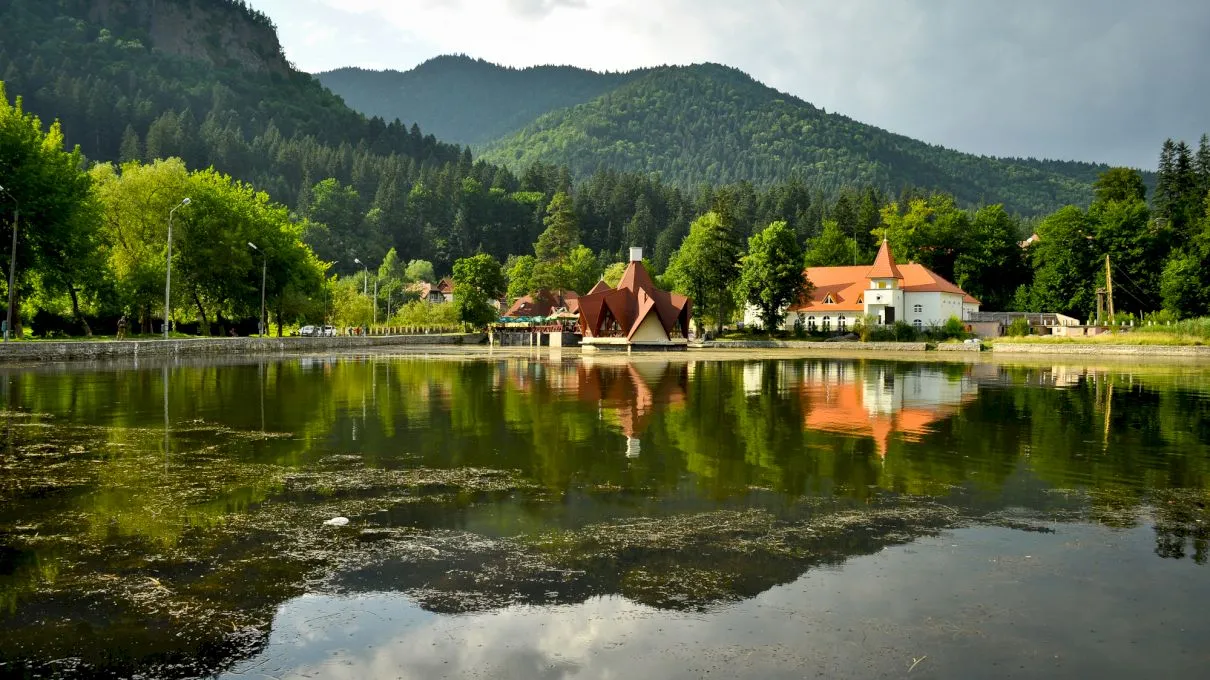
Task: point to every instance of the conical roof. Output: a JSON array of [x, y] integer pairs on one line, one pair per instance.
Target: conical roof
[[884, 265]]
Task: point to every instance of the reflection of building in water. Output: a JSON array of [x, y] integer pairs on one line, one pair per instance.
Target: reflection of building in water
[[877, 402], [631, 393]]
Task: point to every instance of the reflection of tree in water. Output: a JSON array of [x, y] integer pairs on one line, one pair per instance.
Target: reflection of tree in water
[[750, 474], [1182, 526]]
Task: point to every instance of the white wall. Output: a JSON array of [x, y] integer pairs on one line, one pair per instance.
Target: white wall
[[935, 308]]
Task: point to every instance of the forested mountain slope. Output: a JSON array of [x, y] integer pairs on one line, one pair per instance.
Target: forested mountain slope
[[201, 79], [469, 101], [711, 123]]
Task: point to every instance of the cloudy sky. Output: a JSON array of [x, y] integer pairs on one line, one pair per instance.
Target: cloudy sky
[[1097, 80]]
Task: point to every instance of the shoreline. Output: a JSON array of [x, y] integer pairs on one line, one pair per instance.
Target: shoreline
[[85, 350], [474, 344]]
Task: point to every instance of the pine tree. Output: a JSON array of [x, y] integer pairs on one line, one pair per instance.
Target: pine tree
[[1201, 165], [132, 147], [1185, 186], [1166, 194]]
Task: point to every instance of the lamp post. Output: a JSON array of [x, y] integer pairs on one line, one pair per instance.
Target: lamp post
[[365, 286], [12, 266], [168, 261], [264, 268]]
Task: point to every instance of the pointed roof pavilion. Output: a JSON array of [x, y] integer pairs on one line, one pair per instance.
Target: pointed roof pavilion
[[884, 265], [634, 313]]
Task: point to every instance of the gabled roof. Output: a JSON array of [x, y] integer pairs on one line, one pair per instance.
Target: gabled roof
[[635, 299], [446, 286], [846, 285], [543, 303], [601, 287], [884, 264]]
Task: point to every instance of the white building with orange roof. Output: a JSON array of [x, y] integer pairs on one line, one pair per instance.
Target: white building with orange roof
[[887, 291]]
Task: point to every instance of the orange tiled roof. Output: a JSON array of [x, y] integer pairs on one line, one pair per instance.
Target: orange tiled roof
[[847, 286], [884, 264]]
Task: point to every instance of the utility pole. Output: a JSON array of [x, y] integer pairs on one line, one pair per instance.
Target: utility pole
[[1109, 287], [12, 266]]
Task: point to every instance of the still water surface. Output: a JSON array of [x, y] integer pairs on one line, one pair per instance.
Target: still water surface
[[528, 516]]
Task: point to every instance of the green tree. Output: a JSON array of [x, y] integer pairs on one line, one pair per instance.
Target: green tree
[[613, 274], [706, 266], [1119, 184], [771, 275], [478, 280], [520, 272], [1065, 265], [831, 248], [993, 266], [562, 233], [420, 270], [57, 238]]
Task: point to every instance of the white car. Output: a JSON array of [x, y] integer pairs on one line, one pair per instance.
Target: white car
[[307, 331]]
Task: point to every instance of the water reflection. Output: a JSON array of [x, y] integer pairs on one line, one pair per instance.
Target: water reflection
[[484, 484]]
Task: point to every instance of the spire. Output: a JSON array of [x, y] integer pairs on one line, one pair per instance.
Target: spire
[[884, 265]]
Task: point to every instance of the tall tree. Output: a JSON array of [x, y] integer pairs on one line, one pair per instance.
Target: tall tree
[[478, 280], [831, 248], [993, 265], [706, 266], [771, 276]]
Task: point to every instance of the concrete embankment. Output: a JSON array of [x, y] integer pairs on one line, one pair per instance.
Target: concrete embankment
[[130, 349], [1100, 350], [821, 346]]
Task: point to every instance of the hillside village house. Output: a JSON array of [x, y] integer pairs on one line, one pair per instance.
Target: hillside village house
[[888, 291]]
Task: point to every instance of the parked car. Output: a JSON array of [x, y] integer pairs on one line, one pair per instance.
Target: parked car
[[307, 331], [317, 331], [328, 332]]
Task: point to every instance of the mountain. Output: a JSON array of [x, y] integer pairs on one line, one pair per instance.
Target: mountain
[[711, 123], [470, 101], [205, 80]]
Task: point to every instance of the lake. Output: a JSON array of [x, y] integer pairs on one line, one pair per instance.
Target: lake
[[535, 516]]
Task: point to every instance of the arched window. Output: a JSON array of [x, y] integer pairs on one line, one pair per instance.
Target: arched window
[[918, 309], [827, 324], [810, 323], [841, 323], [918, 324]]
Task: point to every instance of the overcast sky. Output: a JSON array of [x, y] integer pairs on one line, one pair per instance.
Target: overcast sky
[[1096, 80]]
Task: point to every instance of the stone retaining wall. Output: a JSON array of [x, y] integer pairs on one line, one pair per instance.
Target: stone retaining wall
[[1101, 350], [959, 347], [824, 346], [127, 349]]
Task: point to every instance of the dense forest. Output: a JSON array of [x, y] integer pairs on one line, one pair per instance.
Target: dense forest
[[690, 125], [711, 123], [469, 101], [339, 193]]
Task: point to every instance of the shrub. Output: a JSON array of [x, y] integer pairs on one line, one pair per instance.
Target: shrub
[[1018, 328], [903, 331]]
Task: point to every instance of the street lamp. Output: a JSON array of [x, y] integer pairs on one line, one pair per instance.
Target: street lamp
[[168, 261], [365, 283], [264, 268], [12, 266]]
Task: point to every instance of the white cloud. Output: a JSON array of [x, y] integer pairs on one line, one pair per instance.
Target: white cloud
[[1077, 79]]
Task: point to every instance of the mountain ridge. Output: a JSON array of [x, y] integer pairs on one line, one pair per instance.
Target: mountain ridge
[[699, 123]]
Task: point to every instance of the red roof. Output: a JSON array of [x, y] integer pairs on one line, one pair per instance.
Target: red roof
[[627, 306], [847, 287], [884, 265], [543, 303]]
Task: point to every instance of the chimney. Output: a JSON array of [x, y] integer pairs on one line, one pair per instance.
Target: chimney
[[636, 254]]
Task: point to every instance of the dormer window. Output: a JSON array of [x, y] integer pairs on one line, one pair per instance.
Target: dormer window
[[861, 299], [829, 300]]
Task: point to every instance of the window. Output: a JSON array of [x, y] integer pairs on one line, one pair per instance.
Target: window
[[918, 324], [827, 324], [918, 309], [841, 323], [810, 323], [828, 300], [882, 285], [861, 299]]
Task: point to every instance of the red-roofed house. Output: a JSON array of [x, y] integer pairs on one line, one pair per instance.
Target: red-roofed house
[[635, 314], [544, 303], [891, 292]]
